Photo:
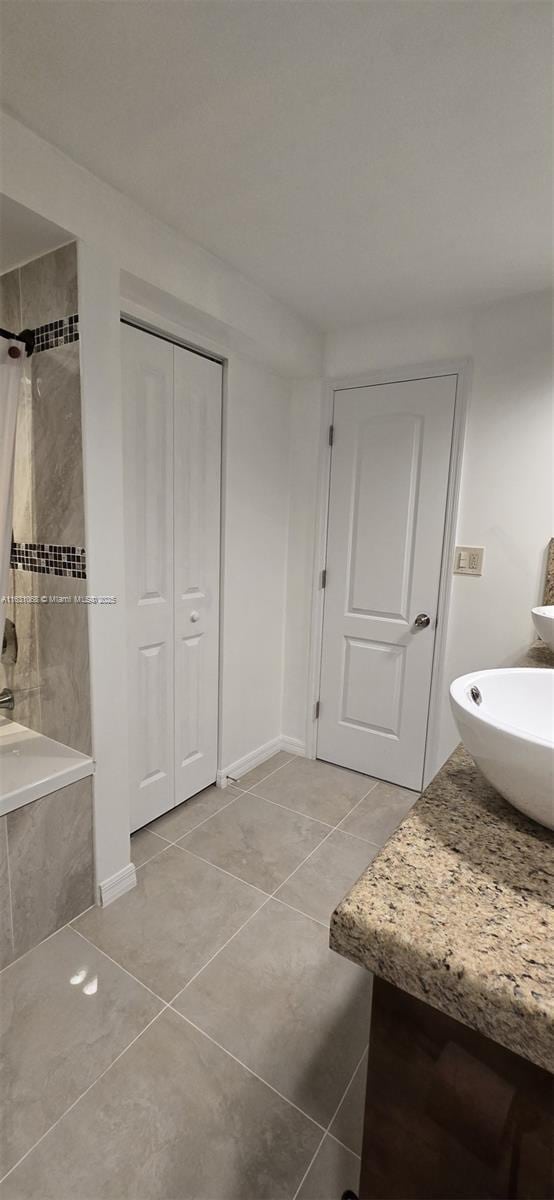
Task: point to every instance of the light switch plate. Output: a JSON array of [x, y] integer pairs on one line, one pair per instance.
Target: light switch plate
[[468, 560]]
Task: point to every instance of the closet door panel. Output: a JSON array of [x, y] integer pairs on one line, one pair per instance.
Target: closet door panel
[[197, 472], [147, 368]]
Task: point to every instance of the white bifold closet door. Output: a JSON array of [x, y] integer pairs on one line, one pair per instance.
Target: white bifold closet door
[[172, 460]]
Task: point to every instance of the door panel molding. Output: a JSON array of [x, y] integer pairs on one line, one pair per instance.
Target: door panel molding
[[173, 400], [462, 368]]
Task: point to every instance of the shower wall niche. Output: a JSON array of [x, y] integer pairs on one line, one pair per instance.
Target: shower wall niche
[[50, 678]]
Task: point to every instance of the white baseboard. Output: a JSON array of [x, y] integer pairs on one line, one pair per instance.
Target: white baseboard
[[123, 881], [247, 763], [292, 745]]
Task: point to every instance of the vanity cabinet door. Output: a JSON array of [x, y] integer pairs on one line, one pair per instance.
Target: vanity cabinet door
[[450, 1115]]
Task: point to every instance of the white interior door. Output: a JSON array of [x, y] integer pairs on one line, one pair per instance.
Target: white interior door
[[387, 504], [147, 378], [197, 471], [172, 467]]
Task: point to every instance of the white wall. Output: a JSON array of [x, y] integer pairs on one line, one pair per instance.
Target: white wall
[[506, 495], [124, 250], [306, 402], [105, 541], [255, 538], [506, 501], [36, 174]]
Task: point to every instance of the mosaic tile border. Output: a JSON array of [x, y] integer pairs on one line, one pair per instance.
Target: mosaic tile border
[[56, 333], [47, 559]]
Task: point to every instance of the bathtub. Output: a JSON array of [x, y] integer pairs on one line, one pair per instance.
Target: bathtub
[[32, 766]]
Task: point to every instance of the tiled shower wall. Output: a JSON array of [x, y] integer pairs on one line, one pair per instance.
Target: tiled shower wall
[[46, 848], [50, 679]]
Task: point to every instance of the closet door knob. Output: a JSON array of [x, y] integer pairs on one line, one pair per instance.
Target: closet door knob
[[422, 621], [195, 616]]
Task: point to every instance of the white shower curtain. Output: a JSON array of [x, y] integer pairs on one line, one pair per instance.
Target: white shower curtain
[[10, 378]]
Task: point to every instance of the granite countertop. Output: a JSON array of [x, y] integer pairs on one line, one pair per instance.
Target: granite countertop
[[457, 909]]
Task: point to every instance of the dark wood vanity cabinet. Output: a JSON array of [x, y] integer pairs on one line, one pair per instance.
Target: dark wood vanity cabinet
[[450, 1114]]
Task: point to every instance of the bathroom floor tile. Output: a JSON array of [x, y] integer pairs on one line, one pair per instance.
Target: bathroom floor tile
[[380, 813], [180, 912], [348, 1125], [320, 883], [334, 1171], [66, 1011], [257, 841], [266, 768], [178, 821], [316, 789], [287, 1007], [175, 1117], [144, 845]]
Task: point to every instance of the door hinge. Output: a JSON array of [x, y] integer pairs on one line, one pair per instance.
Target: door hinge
[[317, 709], [331, 434], [324, 577]]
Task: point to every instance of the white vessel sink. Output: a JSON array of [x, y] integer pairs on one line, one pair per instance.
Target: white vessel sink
[[544, 623], [506, 721]]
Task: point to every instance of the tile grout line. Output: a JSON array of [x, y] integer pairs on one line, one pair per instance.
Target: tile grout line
[[269, 896], [46, 939], [269, 773], [318, 819], [287, 808], [169, 1004], [327, 1131], [310, 1164], [83, 1094], [276, 803], [169, 841], [300, 912], [223, 870], [121, 968], [149, 860], [218, 951], [247, 1068], [348, 1149]]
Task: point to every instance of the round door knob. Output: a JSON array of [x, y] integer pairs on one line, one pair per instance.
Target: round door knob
[[422, 621], [195, 616]]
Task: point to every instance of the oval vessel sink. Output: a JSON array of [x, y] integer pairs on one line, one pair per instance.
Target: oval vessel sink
[[543, 618], [506, 721]]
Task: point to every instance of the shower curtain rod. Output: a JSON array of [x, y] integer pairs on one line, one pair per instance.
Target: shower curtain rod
[[26, 336]]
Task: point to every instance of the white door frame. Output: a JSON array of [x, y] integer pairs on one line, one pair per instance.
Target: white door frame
[[134, 314], [461, 368]]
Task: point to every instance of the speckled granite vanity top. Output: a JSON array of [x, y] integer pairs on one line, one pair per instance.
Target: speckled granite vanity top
[[457, 909]]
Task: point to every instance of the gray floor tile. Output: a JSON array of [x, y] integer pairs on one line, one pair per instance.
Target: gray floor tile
[[175, 1117], [180, 912], [257, 841], [289, 1008], [317, 789], [144, 845], [66, 1011], [317, 887], [178, 821], [334, 1171], [264, 769], [348, 1124], [377, 817]]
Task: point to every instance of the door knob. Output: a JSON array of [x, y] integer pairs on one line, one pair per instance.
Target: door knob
[[195, 616], [422, 621]]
